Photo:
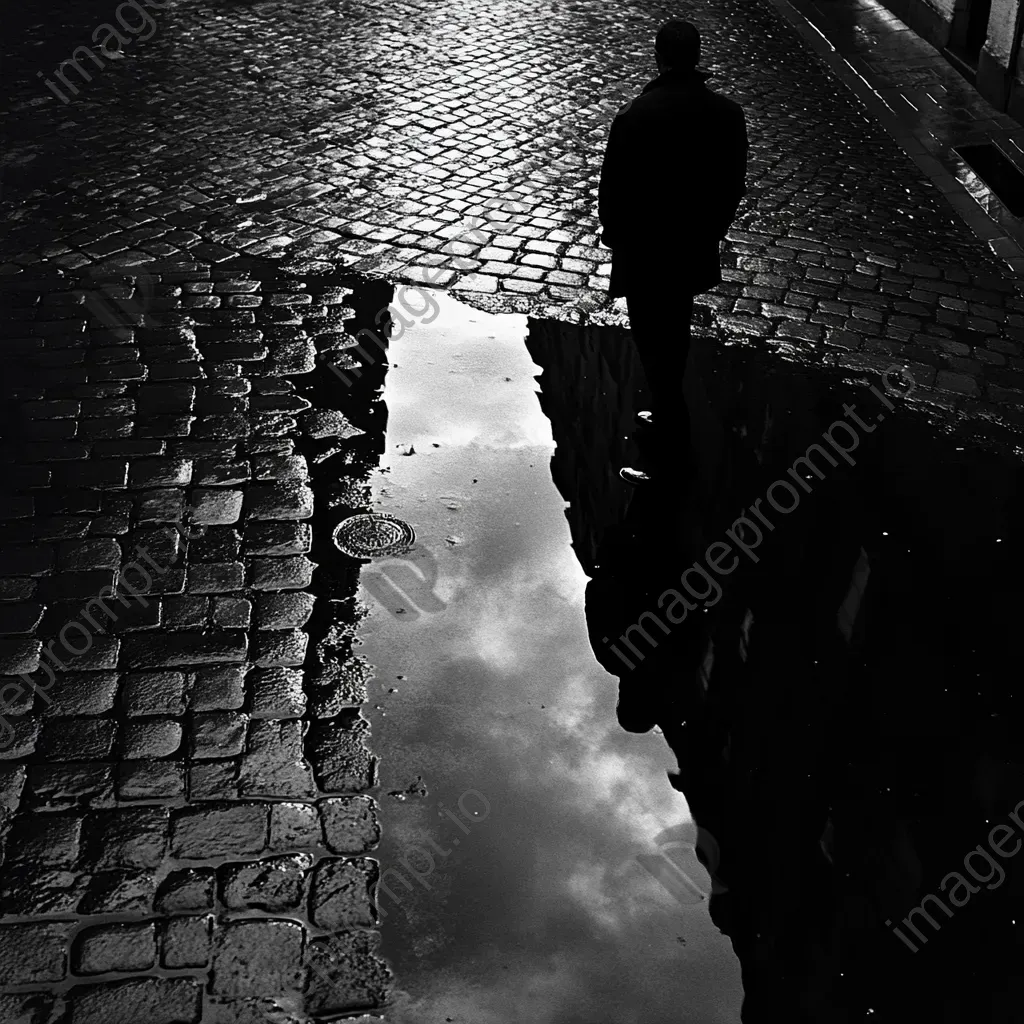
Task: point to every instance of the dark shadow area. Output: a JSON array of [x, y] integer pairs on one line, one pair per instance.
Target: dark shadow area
[[969, 31], [840, 693], [996, 169]]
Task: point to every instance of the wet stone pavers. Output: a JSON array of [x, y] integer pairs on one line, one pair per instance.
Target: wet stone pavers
[[185, 821], [373, 134]]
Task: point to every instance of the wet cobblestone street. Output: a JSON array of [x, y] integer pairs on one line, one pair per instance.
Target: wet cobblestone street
[[170, 758], [186, 245], [372, 134]]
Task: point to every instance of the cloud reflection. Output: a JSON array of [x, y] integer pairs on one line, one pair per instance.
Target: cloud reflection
[[541, 914]]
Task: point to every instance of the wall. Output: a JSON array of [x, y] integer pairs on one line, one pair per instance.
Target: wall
[[1001, 24], [994, 81]]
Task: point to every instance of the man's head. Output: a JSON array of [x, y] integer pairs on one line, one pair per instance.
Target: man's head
[[677, 46]]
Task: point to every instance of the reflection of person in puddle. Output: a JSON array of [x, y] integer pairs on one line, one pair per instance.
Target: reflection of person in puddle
[[673, 177]]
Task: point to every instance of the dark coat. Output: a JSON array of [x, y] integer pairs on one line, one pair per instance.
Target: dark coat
[[674, 174]]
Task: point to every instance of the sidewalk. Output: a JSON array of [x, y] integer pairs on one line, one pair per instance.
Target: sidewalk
[[923, 103]]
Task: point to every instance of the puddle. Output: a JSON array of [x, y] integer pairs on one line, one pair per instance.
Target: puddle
[[525, 846], [834, 714]]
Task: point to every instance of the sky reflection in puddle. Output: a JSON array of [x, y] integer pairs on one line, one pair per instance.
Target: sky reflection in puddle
[[529, 904]]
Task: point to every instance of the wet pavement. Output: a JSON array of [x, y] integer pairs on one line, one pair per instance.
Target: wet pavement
[[193, 808], [279, 783], [917, 95], [209, 139], [184, 762]]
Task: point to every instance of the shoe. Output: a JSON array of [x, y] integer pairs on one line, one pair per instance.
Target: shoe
[[634, 477]]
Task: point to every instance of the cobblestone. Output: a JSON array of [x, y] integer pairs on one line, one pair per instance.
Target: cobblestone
[[33, 953], [185, 942], [258, 958], [276, 884], [115, 948], [194, 702], [886, 216], [277, 693]]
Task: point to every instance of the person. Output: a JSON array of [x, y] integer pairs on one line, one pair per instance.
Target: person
[[673, 176]]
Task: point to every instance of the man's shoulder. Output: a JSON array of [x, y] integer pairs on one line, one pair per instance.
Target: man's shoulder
[[670, 101], [725, 103]]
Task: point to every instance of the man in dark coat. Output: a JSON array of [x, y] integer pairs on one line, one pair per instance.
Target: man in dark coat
[[673, 177]]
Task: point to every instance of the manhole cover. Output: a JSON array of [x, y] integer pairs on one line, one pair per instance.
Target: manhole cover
[[373, 535]]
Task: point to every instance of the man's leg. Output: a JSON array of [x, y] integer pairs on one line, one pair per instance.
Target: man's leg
[[660, 324], [661, 333]]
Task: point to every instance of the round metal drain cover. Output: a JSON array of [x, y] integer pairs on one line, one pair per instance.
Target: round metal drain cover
[[373, 535]]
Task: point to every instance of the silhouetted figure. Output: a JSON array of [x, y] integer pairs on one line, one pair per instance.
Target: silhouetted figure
[[673, 177]]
